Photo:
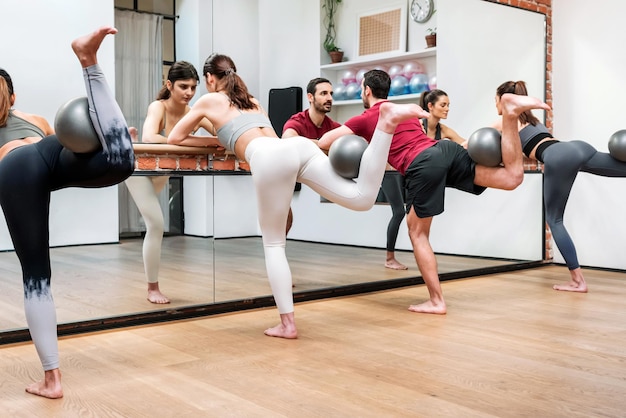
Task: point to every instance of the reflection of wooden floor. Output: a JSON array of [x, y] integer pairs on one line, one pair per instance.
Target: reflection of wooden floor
[[108, 280], [509, 347]]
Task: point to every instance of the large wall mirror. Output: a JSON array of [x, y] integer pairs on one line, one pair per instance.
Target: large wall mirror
[[219, 258]]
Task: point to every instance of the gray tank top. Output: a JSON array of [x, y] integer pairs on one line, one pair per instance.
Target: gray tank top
[[18, 128], [231, 131]]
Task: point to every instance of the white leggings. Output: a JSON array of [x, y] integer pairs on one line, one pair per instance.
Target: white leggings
[[145, 192], [276, 165]]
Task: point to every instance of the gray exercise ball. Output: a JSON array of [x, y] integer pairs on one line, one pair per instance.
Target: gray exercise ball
[[73, 127], [617, 145], [345, 155], [485, 148]]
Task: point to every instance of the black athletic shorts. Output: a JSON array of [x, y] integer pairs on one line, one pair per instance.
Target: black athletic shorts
[[445, 164]]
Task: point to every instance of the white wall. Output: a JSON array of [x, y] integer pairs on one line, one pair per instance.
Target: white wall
[[587, 87], [36, 52]]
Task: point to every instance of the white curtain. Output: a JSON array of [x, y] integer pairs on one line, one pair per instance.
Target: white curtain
[[138, 63], [138, 78]]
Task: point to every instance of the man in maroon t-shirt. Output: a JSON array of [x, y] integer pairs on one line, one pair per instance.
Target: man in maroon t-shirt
[[313, 122], [430, 166]]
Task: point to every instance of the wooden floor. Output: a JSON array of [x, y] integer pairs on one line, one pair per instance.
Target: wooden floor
[[96, 281], [510, 346]]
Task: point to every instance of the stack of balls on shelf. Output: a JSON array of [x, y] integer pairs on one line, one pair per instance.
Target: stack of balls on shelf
[[406, 78]]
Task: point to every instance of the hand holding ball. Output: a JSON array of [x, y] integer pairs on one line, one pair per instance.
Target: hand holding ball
[[73, 127], [484, 146], [617, 145], [345, 155]]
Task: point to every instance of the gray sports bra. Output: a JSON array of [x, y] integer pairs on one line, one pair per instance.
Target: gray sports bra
[[18, 128], [230, 132], [531, 135]]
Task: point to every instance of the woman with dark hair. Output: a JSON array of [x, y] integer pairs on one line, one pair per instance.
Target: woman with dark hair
[[33, 164], [562, 161], [277, 164], [171, 104], [437, 103]]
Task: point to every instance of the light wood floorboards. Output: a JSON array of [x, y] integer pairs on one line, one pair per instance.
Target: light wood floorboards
[[510, 346]]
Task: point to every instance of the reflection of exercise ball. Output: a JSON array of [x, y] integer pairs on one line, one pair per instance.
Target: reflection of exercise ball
[[395, 70], [617, 145], [418, 83], [484, 146], [360, 74], [73, 127], [399, 85], [345, 155], [339, 92], [432, 82], [353, 91], [411, 68], [348, 77]]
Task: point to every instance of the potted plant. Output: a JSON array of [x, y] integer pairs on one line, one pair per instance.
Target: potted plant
[[431, 37], [330, 7]]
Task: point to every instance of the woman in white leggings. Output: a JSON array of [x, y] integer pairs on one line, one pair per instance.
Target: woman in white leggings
[[171, 104], [277, 164]]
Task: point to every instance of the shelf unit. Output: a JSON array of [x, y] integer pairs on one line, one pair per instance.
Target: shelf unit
[[344, 109], [378, 59]]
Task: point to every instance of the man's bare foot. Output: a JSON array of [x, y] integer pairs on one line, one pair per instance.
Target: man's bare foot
[[87, 46], [429, 307], [155, 295], [49, 387], [515, 104], [286, 328], [395, 265], [391, 114]]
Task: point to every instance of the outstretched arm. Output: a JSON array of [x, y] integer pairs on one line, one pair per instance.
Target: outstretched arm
[[180, 134], [329, 137], [447, 132], [289, 132]]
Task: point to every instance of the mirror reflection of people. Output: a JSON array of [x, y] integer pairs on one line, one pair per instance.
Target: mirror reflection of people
[[277, 164], [33, 165], [313, 123], [562, 161], [437, 103], [429, 166], [171, 104]]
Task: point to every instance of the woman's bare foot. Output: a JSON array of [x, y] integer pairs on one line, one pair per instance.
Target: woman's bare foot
[[391, 114], [286, 328], [392, 263], [155, 295], [577, 284], [87, 46], [49, 387], [571, 287], [430, 308], [515, 104]]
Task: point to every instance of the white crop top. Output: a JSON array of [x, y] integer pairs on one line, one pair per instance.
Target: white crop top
[[231, 131]]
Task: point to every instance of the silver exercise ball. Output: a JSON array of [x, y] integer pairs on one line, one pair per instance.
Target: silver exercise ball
[[485, 148], [617, 145], [73, 127], [345, 155]]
